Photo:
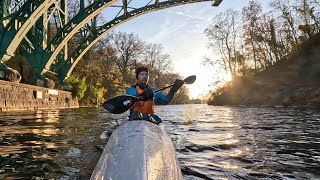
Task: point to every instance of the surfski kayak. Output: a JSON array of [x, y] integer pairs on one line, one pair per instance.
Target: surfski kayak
[[138, 150]]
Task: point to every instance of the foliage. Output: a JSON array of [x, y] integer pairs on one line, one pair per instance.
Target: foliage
[[82, 87], [79, 87], [265, 39], [217, 96], [182, 96], [93, 96], [222, 34]]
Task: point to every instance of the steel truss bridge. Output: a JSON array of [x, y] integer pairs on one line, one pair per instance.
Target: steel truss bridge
[[40, 30]]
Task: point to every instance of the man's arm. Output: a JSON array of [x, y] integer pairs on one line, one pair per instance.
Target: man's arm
[[131, 91], [162, 99]]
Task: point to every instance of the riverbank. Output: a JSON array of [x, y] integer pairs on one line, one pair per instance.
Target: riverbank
[[292, 82], [17, 96]]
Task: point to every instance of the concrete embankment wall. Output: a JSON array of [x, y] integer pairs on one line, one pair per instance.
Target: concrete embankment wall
[[15, 96]]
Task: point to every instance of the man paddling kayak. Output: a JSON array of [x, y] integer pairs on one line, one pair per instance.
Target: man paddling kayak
[[144, 109]]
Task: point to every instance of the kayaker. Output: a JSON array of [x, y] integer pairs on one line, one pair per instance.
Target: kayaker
[[144, 109]]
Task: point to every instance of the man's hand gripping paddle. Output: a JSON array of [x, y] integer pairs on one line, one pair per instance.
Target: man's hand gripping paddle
[[121, 104]]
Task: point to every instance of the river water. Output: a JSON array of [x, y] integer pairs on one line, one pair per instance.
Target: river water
[[211, 142]]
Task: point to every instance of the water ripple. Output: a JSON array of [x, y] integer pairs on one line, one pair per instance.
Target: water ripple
[[211, 142]]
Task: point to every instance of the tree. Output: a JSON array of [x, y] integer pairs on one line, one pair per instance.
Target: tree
[[182, 96], [288, 21], [250, 16], [128, 50], [309, 21], [157, 62], [223, 34]]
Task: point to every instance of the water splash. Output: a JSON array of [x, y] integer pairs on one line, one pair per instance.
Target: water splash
[[190, 116]]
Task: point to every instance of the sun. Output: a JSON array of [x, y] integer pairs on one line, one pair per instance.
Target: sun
[[225, 76], [203, 84], [205, 77]]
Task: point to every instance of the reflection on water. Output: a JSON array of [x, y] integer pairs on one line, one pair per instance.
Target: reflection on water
[[27, 144], [59, 144], [22, 131], [247, 143], [211, 142]]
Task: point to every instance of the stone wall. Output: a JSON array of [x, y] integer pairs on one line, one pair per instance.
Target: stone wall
[[15, 96]]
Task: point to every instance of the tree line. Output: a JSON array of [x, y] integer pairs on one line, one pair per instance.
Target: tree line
[[108, 68], [253, 40]]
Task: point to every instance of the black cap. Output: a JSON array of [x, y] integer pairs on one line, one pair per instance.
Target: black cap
[[140, 69]]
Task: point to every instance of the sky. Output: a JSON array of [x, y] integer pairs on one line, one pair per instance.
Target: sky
[[180, 30]]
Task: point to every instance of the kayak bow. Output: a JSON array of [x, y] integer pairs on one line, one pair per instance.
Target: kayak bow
[[138, 150]]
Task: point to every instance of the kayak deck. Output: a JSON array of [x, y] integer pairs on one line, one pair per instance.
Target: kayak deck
[[138, 150]]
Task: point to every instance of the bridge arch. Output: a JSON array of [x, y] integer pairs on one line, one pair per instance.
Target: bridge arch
[[17, 31], [71, 28], [101, 31]]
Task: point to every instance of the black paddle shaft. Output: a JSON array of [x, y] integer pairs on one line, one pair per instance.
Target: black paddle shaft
[[158, 90]]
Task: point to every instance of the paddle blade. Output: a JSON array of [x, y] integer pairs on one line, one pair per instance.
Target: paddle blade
[[120, 104], [190, 79]]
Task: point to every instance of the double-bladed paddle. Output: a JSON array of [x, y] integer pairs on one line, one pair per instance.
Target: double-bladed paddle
[[121, 104]]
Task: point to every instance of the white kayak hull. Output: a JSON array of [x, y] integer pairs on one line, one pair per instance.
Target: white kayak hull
[[138, 150]]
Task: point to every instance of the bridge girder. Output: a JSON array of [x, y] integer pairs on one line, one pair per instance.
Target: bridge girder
[[71, 28], [20, 22], [101, 31]]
